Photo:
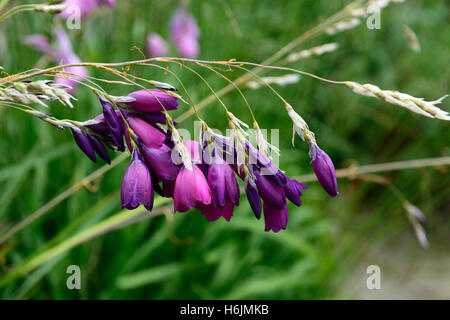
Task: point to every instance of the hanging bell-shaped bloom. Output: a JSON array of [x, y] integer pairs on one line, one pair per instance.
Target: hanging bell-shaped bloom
[[274, 218], [324, 169], [224, 189], [152, 100], [156, 46], [84, 143], [191, 190], [113, 122], [185, 33], [137, 187]]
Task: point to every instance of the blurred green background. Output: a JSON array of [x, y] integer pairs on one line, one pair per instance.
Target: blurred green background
[[328, 244]]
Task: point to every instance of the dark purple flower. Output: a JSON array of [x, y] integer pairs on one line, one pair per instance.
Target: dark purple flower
[[151, 100], [191, 190], [113, 122], [84, 143], [137, 187], [185, 33], [99, 148], [271, 193], [253, 199], [324, 169], [214, 213], [274, 218], [293, 190], [156, 46], [159, 158]]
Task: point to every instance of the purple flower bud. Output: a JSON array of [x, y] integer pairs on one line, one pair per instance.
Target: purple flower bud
[[84, 143], [99, 148], [191, 190], [161, 162], [151, 100], [271, 193], [254, 200], [214, 213], [113, 123], [156, 46], [275, 219], [293, 190], [324, 169], [185, 33], [149, 135], [137, 187]]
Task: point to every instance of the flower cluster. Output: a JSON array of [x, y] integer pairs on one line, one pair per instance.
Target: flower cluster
[[199, 175]]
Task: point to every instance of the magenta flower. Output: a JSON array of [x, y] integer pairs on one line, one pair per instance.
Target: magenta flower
[[84, 6], [151, 100], [324, 169], [149, 135], [156, 46], [191, 190], [137, 187], [185, 33]]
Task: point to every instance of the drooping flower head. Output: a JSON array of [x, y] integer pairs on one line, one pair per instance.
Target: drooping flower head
[[156, 46], [137, 187], [185, 33], [324, 169]]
